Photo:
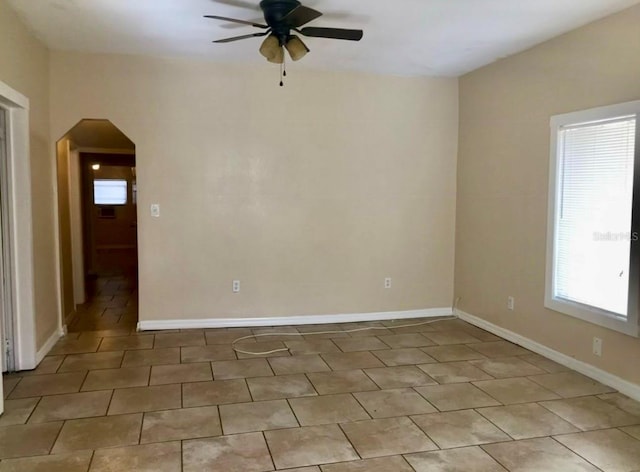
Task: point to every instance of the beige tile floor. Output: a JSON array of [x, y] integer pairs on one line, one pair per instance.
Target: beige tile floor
[[439, 397]]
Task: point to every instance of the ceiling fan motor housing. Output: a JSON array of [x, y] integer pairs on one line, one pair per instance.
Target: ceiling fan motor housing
[[274, 13]]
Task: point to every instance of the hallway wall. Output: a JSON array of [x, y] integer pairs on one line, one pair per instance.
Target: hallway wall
[[64, 223]]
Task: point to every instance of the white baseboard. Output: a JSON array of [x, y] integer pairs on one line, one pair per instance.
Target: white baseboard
[[629, 389], [53, 339], [153, 325]]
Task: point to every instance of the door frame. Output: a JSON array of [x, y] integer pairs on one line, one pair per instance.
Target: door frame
[[6, 295], [20, 229]]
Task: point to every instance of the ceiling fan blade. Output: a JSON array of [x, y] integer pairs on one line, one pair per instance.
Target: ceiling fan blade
[[238, 25], [332, 33], [301, 15], [234, 20], [238, 38]]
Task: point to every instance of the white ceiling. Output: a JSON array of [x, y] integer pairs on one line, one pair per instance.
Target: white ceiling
[[401, 37]]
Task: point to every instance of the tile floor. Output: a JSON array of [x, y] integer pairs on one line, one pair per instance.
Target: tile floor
[[439, 397]]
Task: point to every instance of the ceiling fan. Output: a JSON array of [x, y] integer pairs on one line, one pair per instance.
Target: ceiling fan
[[282, 17]]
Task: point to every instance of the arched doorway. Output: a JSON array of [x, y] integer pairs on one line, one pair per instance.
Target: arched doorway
[[97, 209]]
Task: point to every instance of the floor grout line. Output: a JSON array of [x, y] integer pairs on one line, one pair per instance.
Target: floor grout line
[[489, 354]]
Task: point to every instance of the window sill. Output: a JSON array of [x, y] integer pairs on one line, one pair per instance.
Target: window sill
[[593, 315]]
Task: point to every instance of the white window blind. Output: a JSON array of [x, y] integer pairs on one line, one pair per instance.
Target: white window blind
[[109, 192], [593, 216]]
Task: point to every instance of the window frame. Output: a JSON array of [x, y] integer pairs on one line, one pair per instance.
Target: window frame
[[588, 313]]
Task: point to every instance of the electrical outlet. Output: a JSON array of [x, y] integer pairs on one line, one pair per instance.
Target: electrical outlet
[[511, 303], [235, 286], [387, 282], [597, 347]]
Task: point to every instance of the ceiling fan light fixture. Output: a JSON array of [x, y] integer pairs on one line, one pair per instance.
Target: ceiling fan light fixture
[[281, 18], [297, 49], [278, 58], [272, 50]]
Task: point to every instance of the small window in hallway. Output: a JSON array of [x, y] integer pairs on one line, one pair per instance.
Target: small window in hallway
[[110, 192]]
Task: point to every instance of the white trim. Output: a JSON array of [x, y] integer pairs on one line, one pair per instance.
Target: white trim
[[19, 165], [153, 325], [629, 389], [13, 96], [630, 326], [595, 114], [48, 345]]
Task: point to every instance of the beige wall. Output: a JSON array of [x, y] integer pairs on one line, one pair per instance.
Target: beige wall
[[503, 173], [309, 194], [24, 66]]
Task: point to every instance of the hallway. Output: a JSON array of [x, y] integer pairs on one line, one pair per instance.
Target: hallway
[[112, 309]]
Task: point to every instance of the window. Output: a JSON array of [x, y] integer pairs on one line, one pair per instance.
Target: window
[[592, 259], [110, 192]]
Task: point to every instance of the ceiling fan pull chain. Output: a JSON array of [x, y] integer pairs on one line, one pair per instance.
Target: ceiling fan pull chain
[[283, 72]]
